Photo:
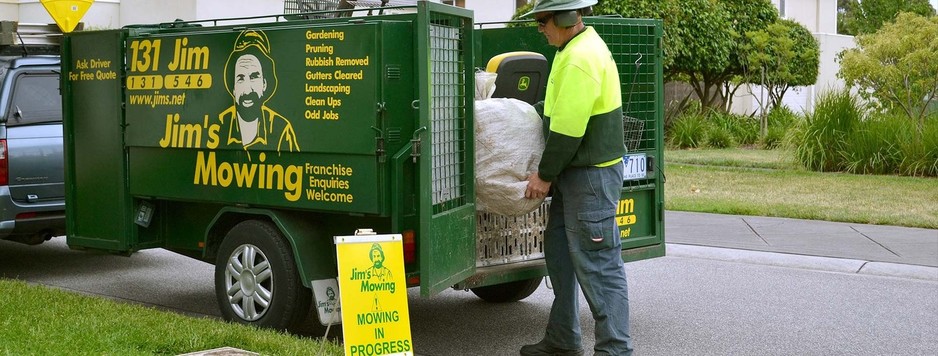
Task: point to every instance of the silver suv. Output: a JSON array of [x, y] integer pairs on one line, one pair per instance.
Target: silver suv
[[32, 192]]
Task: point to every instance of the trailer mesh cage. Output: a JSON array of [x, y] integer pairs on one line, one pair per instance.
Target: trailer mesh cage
[[317, 9], [448, 113], [635, 45], [301, 6]]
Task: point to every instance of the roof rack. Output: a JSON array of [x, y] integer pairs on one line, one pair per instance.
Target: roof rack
[[19, 38], [30, 34]]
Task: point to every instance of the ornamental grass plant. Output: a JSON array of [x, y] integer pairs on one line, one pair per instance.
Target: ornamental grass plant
[[841, 135], [820, 138]]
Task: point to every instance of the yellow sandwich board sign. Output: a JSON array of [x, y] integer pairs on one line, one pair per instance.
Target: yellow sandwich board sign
[[67, 13], [375, 318]]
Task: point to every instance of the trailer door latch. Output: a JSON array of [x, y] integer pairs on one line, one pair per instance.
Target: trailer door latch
[[415, 143], [379, 144]]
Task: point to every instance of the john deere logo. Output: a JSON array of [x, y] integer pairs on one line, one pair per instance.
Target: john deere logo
[[523, 83]]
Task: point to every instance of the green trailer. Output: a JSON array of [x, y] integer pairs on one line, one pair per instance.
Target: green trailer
[[367, 122]]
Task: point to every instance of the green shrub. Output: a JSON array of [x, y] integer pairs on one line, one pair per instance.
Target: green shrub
[[743, 130], [746, 130], [774, 137], [782, 116], [719, 136], [688, 131], [820, 139], [781, 120]]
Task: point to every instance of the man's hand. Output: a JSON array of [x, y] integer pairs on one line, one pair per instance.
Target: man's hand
[[537, 188]]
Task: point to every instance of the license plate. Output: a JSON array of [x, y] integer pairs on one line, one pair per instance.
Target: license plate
[[635, 166]]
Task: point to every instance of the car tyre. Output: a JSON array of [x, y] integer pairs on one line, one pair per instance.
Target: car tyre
[[256, 279], [508, 292]]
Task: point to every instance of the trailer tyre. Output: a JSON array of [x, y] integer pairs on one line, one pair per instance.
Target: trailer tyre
[[256, 279], [508, 292]]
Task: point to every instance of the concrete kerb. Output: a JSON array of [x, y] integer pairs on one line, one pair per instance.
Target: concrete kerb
[[831, 264]]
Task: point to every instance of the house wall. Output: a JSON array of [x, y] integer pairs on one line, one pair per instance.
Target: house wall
[[9, 10], [831, 46], [143, 11], [101, 14], [819, 16], [491, 10]]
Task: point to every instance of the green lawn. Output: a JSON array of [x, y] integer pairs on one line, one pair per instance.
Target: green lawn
[[37, 320], [752, 158], [721, 181]]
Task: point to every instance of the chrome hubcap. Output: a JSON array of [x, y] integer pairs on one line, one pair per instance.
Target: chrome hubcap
[[249, 282]]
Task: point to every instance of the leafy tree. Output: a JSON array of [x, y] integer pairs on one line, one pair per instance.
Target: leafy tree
[[521, 10], [855, 17], [782, 56], [698, 43], [650, 10], [896, 65], [708, 42], [847, 17], [747, 16], [702, 38]]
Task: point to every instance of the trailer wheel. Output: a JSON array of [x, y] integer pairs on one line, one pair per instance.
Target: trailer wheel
[[508, 292], [256, 279]]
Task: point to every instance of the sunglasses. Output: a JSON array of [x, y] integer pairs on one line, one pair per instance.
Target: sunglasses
[[541, 22]]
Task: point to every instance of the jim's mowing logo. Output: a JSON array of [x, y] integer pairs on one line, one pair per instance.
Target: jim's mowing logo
[[331, 303], [375, 278], [251, 80]]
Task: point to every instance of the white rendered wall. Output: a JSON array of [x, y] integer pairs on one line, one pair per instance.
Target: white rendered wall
[[9, 10], [491, 10], [819, 16], [101, 14], [216, 9], [831, 46]]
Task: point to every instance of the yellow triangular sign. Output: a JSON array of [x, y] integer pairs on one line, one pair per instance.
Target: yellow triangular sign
[[67, 13]]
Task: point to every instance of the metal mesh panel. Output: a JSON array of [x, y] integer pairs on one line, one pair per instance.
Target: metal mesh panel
[[301, 6], [304, 6], [635, 47], [447, 114], [504, 239]]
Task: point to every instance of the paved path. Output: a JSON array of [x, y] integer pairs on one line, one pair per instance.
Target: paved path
[[845, 247]]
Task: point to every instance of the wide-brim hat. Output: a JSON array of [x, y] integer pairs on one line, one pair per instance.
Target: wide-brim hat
[[559, 5], [255, 43]]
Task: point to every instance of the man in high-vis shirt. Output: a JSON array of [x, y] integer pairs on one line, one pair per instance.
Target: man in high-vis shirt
[[582, 163]]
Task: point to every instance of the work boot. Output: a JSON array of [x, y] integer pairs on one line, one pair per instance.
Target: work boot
[[543, 349]]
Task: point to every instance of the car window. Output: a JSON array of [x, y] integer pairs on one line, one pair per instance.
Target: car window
[[36, 99]]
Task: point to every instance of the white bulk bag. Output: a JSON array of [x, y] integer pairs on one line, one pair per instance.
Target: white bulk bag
[[508, 146]]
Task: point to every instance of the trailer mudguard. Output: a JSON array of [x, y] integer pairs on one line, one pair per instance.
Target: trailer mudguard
[[313, 250]]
